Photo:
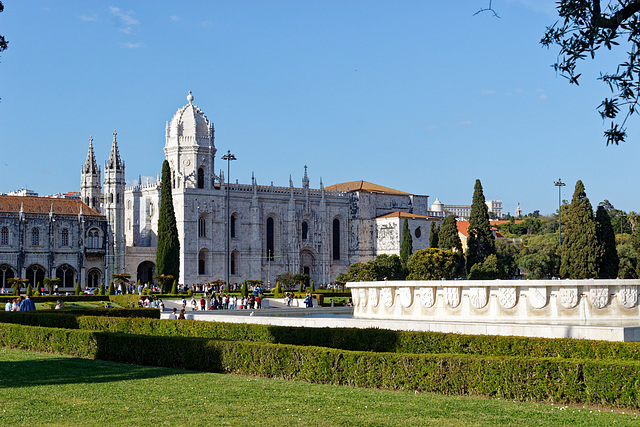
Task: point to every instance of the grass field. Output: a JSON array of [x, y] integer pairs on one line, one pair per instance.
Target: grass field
[[46, 389]]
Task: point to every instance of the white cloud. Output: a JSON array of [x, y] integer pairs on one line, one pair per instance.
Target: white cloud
[[130, 45], [465, 123], [542, 97], [432, 127], [207, 24], [174, 18], [87, 18], [124, 19], [488, 92]]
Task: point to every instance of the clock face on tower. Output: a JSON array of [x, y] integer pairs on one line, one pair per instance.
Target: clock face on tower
[[186, 162]]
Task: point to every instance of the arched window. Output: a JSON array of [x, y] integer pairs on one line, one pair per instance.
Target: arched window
[[305, 230], [64, 237], [202, 262], [4, 236], [35, 275], [35, 237], [93, 278], [111, 198], [270, 239], [202, 227], [93, 239], [234, 256], [336, 239], [6, 271], [200, 178], [65, 272], [232, 226]]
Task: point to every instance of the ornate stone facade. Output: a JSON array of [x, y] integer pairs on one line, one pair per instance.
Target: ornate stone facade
[[272, 229]]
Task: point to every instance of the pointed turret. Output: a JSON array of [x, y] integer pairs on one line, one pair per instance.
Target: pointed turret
[[90, 185], [114, 161], [305, 178]]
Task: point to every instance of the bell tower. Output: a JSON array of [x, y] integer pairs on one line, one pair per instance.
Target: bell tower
[[114, 184], [90, 186]]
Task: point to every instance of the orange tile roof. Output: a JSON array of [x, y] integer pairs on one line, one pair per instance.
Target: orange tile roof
[[400, 214], [502, 221], [463, 227], [364, 186], [42, 205]]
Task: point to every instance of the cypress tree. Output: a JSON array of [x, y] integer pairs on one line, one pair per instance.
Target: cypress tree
[[608, 261], [580, 249], [480, 242], [449, 240], [406, 247], [168, 249], [433, 236]]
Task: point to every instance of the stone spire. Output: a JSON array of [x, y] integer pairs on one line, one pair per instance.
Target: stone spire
[[305, 178], [90, 165], [114, 161]]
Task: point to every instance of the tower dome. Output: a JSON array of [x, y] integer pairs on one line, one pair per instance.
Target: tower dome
[[189, 126], [437, 206]]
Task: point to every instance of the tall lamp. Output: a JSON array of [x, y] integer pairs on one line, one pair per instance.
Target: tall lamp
[[228, 157], [559, 184]]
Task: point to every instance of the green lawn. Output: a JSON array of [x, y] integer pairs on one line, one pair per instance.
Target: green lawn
[[46, 389]]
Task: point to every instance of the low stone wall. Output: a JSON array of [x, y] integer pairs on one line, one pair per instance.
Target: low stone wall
[[532, 301]]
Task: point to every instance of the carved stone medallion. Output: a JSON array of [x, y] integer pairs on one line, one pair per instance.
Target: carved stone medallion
[[453, 295], [427, 297], [538, 296], [387, 296], [569, 297], [363, 297], [478, 297], [356, 297], [507, 296], [406, 296], [374, 296], [628, 296], [599, 296]]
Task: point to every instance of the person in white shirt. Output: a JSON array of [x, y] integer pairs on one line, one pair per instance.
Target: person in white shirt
[[173, 314]]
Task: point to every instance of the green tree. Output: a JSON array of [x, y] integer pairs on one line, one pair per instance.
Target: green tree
[[489, 269], [168, 246], [580, 248], [163, 280], [406, 247], [540, 257], [51, 283], [111, 290], [174, 288], [431, 264], [480, 242], [586, 27], [433, 235], [628, 268], [449, 240], [608, 261], [387, 267], [78, 289]]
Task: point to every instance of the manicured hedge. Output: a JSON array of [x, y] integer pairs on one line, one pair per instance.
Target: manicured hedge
[[68, 318], [376, 340], [522, 378]]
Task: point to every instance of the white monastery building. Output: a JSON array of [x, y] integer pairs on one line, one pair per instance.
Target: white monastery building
[[272, 229]]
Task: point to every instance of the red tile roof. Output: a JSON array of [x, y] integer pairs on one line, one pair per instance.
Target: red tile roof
[[363, 186], [42, 205]]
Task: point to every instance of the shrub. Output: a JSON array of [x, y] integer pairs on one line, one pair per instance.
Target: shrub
[[312, 287], [111, 290], [29, 290], [277, 292], [78, 289], [174, 288]]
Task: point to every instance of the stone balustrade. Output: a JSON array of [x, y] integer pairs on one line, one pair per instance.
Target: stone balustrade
[[531, 301]]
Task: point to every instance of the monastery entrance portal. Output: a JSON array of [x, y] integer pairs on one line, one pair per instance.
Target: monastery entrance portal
[[146, 271]]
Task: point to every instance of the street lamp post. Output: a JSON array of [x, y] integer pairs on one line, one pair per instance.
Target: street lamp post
[[559, 184], [228, 157]]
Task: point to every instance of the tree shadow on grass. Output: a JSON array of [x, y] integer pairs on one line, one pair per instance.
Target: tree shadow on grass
[[41, 369]]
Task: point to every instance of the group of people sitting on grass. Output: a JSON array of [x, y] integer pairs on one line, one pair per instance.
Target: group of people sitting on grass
[[22, 303]]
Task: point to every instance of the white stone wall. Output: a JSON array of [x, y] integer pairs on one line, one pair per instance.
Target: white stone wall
[[498, 301]]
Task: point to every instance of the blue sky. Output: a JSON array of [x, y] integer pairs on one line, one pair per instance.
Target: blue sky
[[421, 96]]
